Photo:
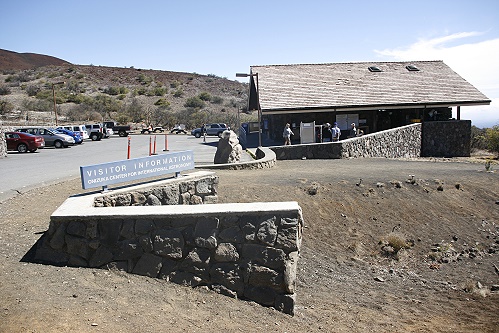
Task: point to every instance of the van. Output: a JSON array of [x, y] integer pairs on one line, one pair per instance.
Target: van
[[82, 129]]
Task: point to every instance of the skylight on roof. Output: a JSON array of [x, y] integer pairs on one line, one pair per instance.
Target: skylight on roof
[[374, 69], [412, 68]]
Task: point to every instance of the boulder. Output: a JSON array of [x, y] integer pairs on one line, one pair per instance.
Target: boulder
[[228, 150]]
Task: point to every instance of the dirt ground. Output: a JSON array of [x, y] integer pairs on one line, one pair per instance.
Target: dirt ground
[[389, 246]]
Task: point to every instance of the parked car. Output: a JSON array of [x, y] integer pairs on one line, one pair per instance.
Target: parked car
[[95, 131], [75, 135], [82, 129], [178, 129], [210, 129], [23, 142], [121, 130], [51, 137]]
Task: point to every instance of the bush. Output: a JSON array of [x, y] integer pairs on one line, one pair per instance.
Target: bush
[[32, 90], [194, 102], [217, 100], [4, 90], [144, 79], [178, 93], [159, 91], [6, 107], [162, 102], [492, 135], [205, 96]]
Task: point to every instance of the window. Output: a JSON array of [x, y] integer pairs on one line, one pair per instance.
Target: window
[[412, 68], [374, 69]]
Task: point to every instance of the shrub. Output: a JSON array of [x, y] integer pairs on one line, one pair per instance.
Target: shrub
[[204, 96], [174, 84], [194, 102], [6, 107], [4, 90], [492, 135], [112, 91], [159, 91], [32, 90], [217, 100], [178, 93], [144, 79], [162, 102]]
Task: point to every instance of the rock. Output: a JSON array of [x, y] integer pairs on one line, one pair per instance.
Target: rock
[[313, 189], [168, 243], [379, 279], [494, 287], [226, 252], [267, 231], [148, 265], [228, 275], [153, 200], [228, 150]]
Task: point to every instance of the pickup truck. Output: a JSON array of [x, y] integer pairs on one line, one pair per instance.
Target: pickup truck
[[121, 130]]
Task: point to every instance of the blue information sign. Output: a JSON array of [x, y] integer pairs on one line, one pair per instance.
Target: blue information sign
[[137, 168]]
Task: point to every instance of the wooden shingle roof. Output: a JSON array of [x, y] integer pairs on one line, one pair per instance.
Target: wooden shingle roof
[[353, 86]]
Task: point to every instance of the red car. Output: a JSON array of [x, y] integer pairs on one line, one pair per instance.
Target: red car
[[23, 142]]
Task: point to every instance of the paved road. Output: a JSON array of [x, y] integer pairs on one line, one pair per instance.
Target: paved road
[[21, 172]]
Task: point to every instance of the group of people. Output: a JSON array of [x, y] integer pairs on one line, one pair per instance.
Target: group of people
[[329, 133]]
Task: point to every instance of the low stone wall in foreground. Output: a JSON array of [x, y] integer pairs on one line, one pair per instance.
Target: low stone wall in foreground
[[248, 251]]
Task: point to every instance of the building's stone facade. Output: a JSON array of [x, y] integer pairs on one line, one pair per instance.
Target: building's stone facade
[[446, 138]]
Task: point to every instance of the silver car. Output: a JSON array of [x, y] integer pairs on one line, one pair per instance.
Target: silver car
[[52, 138]]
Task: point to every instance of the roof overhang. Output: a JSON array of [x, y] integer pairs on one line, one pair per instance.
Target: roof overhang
[[353, 108]]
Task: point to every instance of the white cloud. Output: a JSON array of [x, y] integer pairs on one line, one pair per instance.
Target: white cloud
[[475, 62]]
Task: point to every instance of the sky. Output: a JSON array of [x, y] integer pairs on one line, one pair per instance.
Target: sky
[[225, 37]]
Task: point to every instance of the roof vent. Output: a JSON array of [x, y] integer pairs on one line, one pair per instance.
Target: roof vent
[[374, 69], [412, 68]]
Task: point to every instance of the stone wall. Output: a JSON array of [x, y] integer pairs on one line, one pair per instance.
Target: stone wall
[[398, 142], [3, 144], [265, 158], [177, 191], [447, 138], [246, 251]]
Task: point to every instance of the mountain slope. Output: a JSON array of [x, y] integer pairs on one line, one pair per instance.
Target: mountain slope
[[10, 60]]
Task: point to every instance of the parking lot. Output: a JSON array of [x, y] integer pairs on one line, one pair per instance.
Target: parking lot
[[24, 171]]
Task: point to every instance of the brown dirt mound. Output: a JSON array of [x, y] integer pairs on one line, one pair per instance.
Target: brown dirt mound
[[409, 248]]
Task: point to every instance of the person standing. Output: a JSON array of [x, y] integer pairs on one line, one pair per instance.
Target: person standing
[[336, 132], [287, 135], [353, 131]]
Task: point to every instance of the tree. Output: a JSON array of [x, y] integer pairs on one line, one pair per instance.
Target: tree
[[492, 135], [135, 111]]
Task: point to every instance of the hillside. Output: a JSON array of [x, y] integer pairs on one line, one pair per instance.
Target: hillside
[[127, 95], [10, 60]]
